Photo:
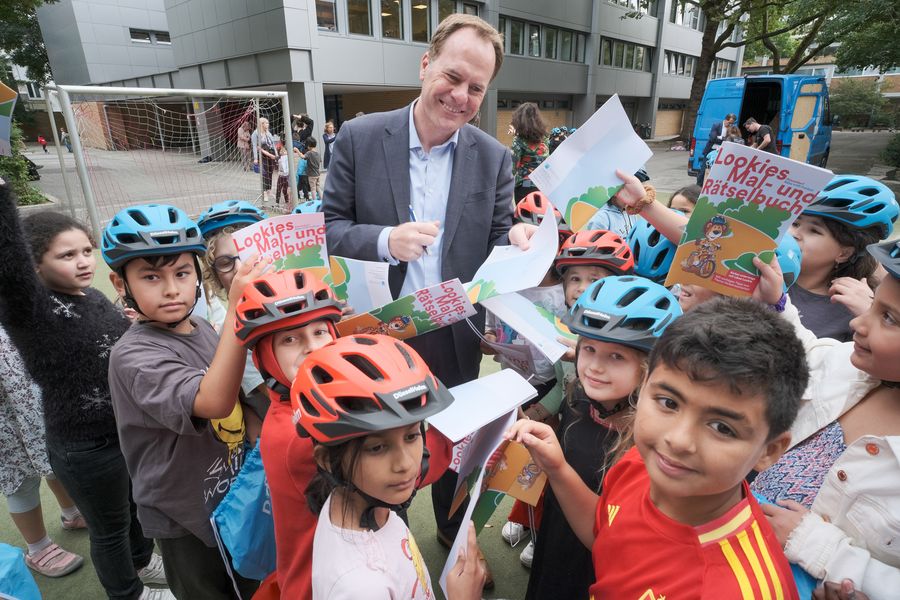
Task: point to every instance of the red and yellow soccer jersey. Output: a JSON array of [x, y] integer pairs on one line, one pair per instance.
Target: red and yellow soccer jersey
[[641, 554]]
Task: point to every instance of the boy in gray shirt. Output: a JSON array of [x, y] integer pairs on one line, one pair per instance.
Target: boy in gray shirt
[[174, 387]]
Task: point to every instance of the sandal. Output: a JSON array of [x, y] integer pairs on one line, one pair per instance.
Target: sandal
[[53, 561]]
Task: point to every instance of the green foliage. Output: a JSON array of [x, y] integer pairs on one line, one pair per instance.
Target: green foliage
[[767, 220], [856, 101], [870, 38], [703, 212], [21, 38], [14, 171], [891, 154]]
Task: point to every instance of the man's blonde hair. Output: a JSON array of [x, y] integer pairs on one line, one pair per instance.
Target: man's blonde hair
[[482, 28]]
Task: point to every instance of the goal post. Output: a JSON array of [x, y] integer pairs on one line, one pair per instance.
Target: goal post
[[171, 146]]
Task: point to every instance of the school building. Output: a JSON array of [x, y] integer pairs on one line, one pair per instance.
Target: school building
[[339, 57]]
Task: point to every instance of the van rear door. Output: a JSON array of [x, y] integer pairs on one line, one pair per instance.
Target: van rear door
[[807, 110], [722, 96]]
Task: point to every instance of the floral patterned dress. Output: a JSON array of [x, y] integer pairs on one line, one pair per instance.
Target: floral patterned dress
[[22, 440]]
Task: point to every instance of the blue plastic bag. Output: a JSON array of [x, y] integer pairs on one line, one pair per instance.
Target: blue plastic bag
[[805, 582], [243, 521], [15, 578]]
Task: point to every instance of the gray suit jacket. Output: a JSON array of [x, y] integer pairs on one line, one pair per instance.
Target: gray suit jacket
[[367, 189]]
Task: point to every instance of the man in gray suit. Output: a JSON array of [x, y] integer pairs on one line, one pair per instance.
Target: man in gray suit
[[421, 189]]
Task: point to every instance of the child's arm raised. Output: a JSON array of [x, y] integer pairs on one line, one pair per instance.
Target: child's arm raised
[[220, 385], [23, 294], [578, 502], [664, 219]]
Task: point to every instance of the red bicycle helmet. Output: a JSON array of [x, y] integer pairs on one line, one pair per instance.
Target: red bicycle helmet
[[362, 384], [283, 300], [533, 208], [596, 247]]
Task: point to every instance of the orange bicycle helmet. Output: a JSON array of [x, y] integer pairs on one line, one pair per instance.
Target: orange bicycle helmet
[[362, 384], [533, 208], [283, 300], [596, 247]]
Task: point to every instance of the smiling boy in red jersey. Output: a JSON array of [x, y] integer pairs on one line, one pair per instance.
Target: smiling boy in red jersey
[[675, 518]]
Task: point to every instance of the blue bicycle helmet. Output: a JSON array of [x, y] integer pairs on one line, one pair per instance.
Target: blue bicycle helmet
[[231, 212], [888, 254], [626, 310], [310, 206], [858, 201], [555, 131], [149, 230], [789, 257], [653, 252]]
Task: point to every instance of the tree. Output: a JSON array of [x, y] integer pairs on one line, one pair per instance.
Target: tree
[[870, 38], [21, 39], [723, 17], [856, 101]]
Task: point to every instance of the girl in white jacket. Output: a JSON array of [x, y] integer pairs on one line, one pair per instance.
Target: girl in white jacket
[[838, 487]]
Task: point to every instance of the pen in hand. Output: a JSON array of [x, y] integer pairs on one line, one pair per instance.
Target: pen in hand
[[413, 219]]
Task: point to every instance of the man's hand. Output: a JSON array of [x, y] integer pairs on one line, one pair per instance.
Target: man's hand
[[784, 520], [855, 294], [520, 234], [408, 241]]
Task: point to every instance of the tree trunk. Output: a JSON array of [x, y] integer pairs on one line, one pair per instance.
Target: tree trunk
[[701, 74]]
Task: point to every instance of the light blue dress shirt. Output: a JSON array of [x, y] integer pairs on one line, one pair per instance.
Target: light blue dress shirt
[[429, 188]]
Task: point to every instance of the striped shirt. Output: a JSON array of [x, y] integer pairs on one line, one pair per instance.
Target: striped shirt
[[641, 554]]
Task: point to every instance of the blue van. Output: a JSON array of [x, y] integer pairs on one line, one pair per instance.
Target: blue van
[[795, 107]]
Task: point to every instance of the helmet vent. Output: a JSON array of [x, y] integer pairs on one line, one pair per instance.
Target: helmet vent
[[414, 404], [322, 295], [299, 279], [594, 322], [365, 366], [294, 307], [139, 217], [318, 397], [127, 238], [307, 406], [869, 191], [406, 356], [320, 375], [173, 215], [356, 405], [263, 288], [638, 324], [663, 304], [254, 313], [364, 341], [631, 296]]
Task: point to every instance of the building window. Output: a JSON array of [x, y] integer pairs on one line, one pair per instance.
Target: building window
[[688, 15], [534, 40], [470, 9], [140, 35], [721, 68], [391, 20], [325, 18], [606, 52], [648, 8], [501, 27], [421, 20], [681, 65], [143, 36], [516, 37], [359, 18], [551, 34], [580, 43], [446, 8], [34, 90], [565, 47]]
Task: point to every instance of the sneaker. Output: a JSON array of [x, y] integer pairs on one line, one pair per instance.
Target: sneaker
[[527, 555], [157, 594], [154, 572], [513, 533], [53, 561], [77, 522]]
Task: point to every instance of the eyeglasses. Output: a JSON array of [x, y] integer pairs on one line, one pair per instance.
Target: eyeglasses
[[225, 264]]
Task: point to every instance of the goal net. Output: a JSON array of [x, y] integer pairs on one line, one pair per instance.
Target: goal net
[[172, 149]]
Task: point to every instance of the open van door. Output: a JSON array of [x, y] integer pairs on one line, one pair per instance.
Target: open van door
[[808, 139], [722, 96]]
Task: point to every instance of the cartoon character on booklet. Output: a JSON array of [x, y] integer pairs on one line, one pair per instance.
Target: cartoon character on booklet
[[702, 261]]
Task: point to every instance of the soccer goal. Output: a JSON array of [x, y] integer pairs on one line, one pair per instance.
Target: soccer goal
[[171, 146]]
